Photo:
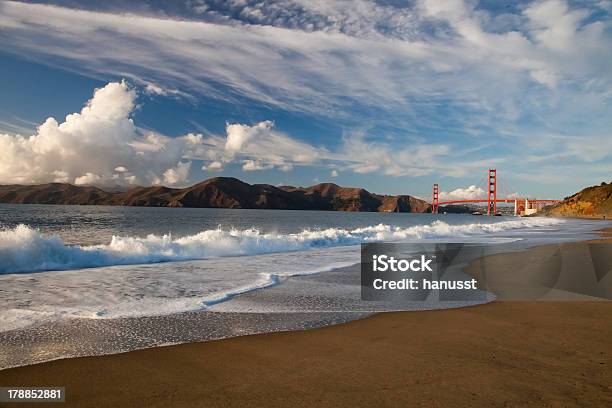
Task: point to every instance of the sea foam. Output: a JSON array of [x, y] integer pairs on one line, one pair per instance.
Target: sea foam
[[24, 249]]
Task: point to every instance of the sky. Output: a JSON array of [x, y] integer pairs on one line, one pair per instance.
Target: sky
[[388, 95]]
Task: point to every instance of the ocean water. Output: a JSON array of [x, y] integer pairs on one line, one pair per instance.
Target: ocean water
[[127, 273]]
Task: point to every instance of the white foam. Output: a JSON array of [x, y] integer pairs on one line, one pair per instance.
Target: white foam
[[266, 280], [24, 249]]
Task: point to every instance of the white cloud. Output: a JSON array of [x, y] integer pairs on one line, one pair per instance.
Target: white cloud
[[438, 68], [554, 25], [317, 56], [239, 135], [596, 149], [416, 159], [154, 89], [262, 147], [213, 166], [177, 175], [262, 142], [101, 145], [470, 193], [95, 146], [58, 176], [473, 193], [544, 77], [88, 179], [252, 165]]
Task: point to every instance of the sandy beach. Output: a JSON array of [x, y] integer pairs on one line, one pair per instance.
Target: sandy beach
[[551, 353]]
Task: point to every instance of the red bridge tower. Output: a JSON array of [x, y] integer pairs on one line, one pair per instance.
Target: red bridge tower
[[492, 192], [434, 199]]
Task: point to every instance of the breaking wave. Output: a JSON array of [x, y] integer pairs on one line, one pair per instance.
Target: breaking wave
[[24, 249]]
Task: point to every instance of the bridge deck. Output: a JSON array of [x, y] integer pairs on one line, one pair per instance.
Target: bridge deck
[[499, 200]]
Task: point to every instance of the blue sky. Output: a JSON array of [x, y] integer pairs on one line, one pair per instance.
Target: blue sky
[[388, 95]]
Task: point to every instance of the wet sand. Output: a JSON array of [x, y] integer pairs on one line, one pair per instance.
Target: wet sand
[[507, 353]]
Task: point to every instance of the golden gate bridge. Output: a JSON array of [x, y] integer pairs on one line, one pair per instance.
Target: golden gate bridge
[[522, 206]]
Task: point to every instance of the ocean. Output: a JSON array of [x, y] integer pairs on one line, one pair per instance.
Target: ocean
[[89, 280]]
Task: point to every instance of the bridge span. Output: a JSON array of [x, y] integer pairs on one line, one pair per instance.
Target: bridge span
[[522, 206]]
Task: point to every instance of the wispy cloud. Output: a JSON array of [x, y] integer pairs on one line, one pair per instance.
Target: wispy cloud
[[455, 80], [317, 56], [261, 147]]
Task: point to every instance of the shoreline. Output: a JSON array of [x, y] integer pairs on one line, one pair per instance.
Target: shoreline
[[503, 352], [600, 217], [500, 354]]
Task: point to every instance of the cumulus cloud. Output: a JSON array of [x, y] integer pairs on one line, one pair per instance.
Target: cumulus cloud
[[264, 143], [176, 175], [470, 193], [88, 179], [98, 145], [101, 145], [259, 147], [213, 166], [240, 135], [473, 193]]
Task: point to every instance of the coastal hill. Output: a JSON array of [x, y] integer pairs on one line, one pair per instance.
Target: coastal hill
[[595, 201], [218, 192]]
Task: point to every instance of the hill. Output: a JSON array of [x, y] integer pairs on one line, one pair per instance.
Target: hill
[[218, 192], [595, 201]]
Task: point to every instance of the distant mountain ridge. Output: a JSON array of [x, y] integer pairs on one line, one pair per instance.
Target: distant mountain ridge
[[594, 201], [218, 192]]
